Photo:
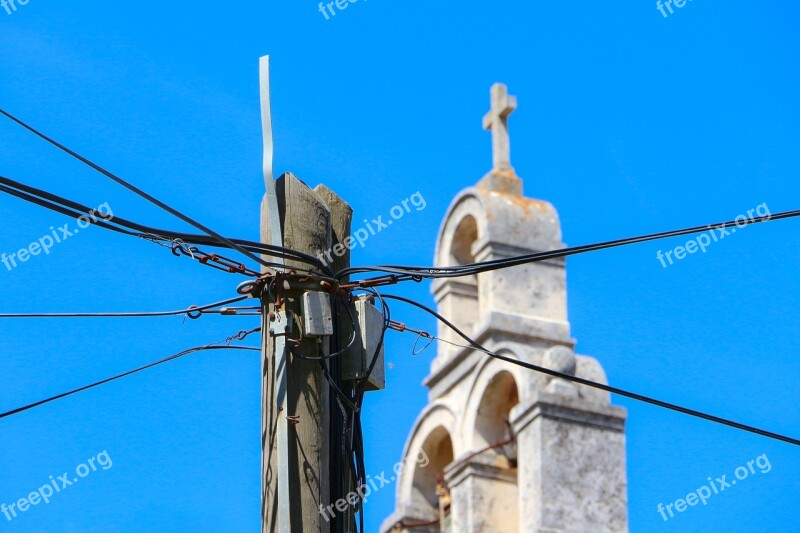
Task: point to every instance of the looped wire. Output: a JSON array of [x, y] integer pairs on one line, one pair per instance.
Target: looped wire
[[178, 244], [242, 335], [420, 335]]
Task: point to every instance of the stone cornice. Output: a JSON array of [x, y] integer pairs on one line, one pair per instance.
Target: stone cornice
[[497, 326], [575, 410], [477, 467]]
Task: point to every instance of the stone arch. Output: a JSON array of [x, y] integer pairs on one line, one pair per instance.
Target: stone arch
[[482, 225], [501, 219], [496, 390], [458, 298], [499, 397], [464, 236], [480, 474], [430, 448], [463, 225], [438, 451]]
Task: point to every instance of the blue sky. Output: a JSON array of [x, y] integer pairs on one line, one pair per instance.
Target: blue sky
[[628, 122]]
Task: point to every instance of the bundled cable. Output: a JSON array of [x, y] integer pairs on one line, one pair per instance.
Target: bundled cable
[[412, 272], [118, 224], [219, 238]]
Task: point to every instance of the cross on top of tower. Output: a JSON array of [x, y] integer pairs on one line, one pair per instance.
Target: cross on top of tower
[[496, 120], [501, 178]]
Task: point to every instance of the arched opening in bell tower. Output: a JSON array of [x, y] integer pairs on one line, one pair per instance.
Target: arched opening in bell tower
[[438, 447]]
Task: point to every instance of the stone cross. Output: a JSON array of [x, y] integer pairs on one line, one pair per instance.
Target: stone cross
[[496, 120]]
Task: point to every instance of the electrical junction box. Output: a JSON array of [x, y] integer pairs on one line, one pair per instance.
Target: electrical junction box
[[369, 324], [317, 321]]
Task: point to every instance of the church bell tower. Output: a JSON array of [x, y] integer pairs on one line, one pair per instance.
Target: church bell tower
[[509, 449]]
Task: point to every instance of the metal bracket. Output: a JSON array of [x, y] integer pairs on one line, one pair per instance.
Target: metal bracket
[[280, 322], [280, 325]]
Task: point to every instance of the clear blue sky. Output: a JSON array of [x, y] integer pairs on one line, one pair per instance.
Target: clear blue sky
[[629, 122]]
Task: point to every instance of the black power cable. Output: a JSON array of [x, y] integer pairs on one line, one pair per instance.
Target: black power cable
[[601, 386], [496, 264], [138, 191], [192, 312], [74, 210], [125, 374], [357, 434]]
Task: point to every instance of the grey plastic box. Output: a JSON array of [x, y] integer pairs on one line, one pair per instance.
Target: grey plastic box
[[355, 362]]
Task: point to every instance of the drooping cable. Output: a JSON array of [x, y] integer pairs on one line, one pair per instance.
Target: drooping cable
[[213, 346], [192, 312], [593, 384], [137, 190], [116, 223]]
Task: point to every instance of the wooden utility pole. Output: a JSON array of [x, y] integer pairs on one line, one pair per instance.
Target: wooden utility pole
[[342, 481], [299, 459]]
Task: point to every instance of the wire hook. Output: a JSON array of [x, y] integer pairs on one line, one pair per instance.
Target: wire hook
[[194, 312], [420, 335]]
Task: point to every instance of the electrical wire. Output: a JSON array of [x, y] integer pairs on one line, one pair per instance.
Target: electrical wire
[[116, 223], [175, 241], [338, 352], [192, 312], [387, 320], [402, 525], [134, 371], [357, 439], [339, 393], [486, 266], [593, 384], [135, 189], [343, 470]]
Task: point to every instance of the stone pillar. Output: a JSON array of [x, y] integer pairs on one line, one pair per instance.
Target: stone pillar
[[571, 465], [457, 299], [484, 495], [544, 297]]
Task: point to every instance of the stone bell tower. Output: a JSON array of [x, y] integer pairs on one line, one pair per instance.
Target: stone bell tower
[[509, 449]]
